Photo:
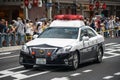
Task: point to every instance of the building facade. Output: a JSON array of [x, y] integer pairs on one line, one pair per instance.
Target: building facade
[[11, 9]]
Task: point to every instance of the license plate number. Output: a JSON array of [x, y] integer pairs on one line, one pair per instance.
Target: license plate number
[[40, 61]]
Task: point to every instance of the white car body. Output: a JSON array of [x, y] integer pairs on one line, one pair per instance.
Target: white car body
[[66, 45]]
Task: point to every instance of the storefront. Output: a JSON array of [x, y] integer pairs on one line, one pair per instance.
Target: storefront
[[11, 12], [11, 9]]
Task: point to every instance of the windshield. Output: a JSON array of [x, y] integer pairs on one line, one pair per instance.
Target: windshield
[[60, 32]]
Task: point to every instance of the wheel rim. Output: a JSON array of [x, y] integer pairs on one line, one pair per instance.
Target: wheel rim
[[75, 61], [100, 55]]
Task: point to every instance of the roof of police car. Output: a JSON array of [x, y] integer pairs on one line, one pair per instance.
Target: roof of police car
[[67, 23]]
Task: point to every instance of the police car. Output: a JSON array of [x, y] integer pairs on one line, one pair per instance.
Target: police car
[[66, 42]]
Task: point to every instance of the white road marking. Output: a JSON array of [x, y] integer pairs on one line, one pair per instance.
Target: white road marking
[[118, 45], [44, 72], [5, 53], [75, 74], [114, 55], [9, 56], [117, 74], [62, 78], [18, 76], [86, 71], [14, 68], [108, 44], [111, 50], [10, 73], [108, 77]]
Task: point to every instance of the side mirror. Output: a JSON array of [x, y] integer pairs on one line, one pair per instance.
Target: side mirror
[[85, 38], [35, 36]]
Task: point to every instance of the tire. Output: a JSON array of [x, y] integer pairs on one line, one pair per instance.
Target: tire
[[99, 55], [75, 62], [28, 66]]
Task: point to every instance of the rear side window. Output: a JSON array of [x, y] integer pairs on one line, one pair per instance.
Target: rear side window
[[83, 33], [87, 32], [91, 33]]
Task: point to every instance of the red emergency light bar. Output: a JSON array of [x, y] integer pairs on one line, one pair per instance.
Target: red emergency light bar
[[68, 17]]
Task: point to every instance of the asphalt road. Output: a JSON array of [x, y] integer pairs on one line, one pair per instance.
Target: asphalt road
[[109, 69]]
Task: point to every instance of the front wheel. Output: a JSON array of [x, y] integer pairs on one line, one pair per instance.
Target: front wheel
[[75, 62]]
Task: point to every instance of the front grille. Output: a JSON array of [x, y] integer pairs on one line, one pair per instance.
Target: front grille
[[42, 52]]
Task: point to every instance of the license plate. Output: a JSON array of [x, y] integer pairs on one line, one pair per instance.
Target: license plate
[[40, 61]]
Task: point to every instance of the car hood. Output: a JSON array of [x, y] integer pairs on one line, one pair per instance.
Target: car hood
[[51, 42]]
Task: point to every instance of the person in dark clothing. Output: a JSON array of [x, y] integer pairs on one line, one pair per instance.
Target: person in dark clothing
[[3, 28]]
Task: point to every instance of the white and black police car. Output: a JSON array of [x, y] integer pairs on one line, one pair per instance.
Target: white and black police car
[[66, 42]]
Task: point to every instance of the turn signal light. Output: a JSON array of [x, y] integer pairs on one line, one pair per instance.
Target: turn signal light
[[48, 54], [33, 53]]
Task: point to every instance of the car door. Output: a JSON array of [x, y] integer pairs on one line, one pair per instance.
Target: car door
[[84, 52], [92, 43]]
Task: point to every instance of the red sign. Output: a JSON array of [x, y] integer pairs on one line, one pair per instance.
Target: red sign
[[35, 2], [104, 6], [26, 2], [91, 7], [97, 4]]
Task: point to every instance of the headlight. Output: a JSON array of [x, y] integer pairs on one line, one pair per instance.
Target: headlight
[[64, 50], [25, 48]]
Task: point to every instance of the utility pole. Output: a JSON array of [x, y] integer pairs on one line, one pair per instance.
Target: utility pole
[[50, 9], [26, 13], [58, 6]]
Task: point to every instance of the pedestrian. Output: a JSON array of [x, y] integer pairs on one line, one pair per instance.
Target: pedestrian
[[42, 27], [102, 27], [117, 24], [106, 22], [97, 25], [20, 29], [111, 26], [92, 24], [29, 30], [3, 26]]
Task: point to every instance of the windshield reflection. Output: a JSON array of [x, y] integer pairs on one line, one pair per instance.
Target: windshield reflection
[[60, 32]]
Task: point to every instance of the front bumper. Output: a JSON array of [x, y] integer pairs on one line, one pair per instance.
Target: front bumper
[[53, 60]]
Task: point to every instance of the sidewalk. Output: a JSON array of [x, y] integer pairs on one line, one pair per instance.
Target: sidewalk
[[10, 48]]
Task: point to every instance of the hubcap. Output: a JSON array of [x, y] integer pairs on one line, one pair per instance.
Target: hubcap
[[100, 55], [75, 61]]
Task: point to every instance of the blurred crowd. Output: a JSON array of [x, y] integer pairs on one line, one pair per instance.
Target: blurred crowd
[[110, 26], [24, 27]]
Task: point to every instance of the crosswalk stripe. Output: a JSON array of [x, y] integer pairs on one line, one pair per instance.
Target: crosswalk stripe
[[108, 77], [5, 53], [9, 56], [108, 44], [10, 73], [75, 74]]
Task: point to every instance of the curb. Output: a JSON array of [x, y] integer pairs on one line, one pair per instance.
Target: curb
[[10, 48]]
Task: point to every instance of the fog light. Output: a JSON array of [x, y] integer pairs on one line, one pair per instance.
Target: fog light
[[33, 53], [48, 54], [66, 61]]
